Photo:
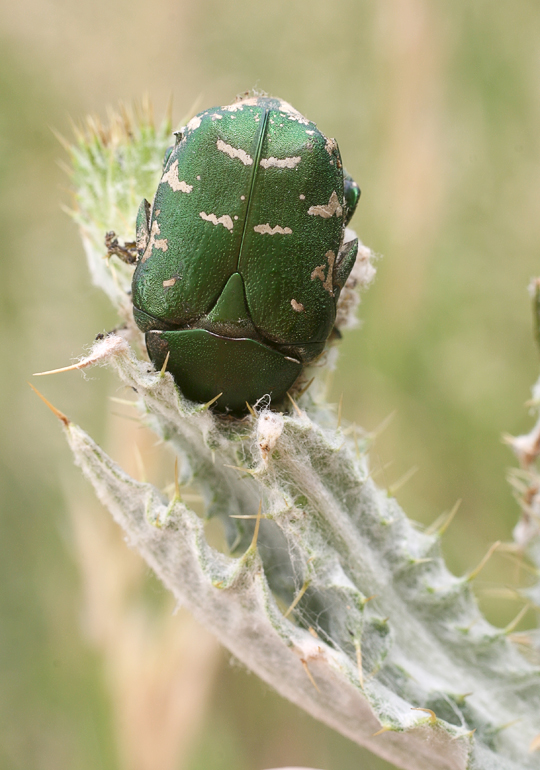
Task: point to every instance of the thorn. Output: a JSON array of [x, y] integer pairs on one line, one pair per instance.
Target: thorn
[[304, 389], [483, 562], [193, 109], [535, 744], [177, 497], [251, 410], [450, 517], [526, 447], [111, 344], [355, 438], [381, 731], [71, 368], [186, 497], [164, 368], [512, 625], [212, 401], [339, 409], [298, 597], [381, 469], [382, 426], [128, 417], [432, 714], [169, 111], [313, 632], [308, 672], [77, 129], [403, 480], [243, 470], [359, 662], [473, 622], [140, 463], [521, 638], [507, 725], [520, 563], [293, 402], [61, 416], [253, 545], [60, 138], [123, 401], [247, 516], [442, 522], [468, 734], [505, 592], [460, 699], [236, 543], [368, 599]]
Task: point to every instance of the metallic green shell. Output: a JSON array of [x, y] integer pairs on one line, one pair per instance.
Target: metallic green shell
[[254, 190]]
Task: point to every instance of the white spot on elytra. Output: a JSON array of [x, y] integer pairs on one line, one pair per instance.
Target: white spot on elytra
[[232, 152], [194, 123], [217, 116], [153, 242], [266, 229], [169, 283], [280, 162], [225, 220], [297, 306], [330, 146], [310, 132], [328, 282], [242, 197], [198, 178], [302, 197], [250, 102], [171, 177], [142, 238], [235, 216], [292, 114], [329, 209]]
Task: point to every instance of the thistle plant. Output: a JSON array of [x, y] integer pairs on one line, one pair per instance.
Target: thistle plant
[[325, 589]]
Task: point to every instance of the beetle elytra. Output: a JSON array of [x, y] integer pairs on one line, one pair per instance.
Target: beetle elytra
[[242, 254]]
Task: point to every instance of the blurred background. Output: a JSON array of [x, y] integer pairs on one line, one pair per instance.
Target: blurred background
[[436, 109]]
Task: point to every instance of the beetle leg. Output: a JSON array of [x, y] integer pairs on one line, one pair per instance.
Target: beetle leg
[[142, 226], [345, 262], [352, 196], [127, 252]]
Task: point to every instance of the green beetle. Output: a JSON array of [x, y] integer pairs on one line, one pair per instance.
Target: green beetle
[[242, 255]]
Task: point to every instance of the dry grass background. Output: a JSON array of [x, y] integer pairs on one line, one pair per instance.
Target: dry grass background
[[436, 109]]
